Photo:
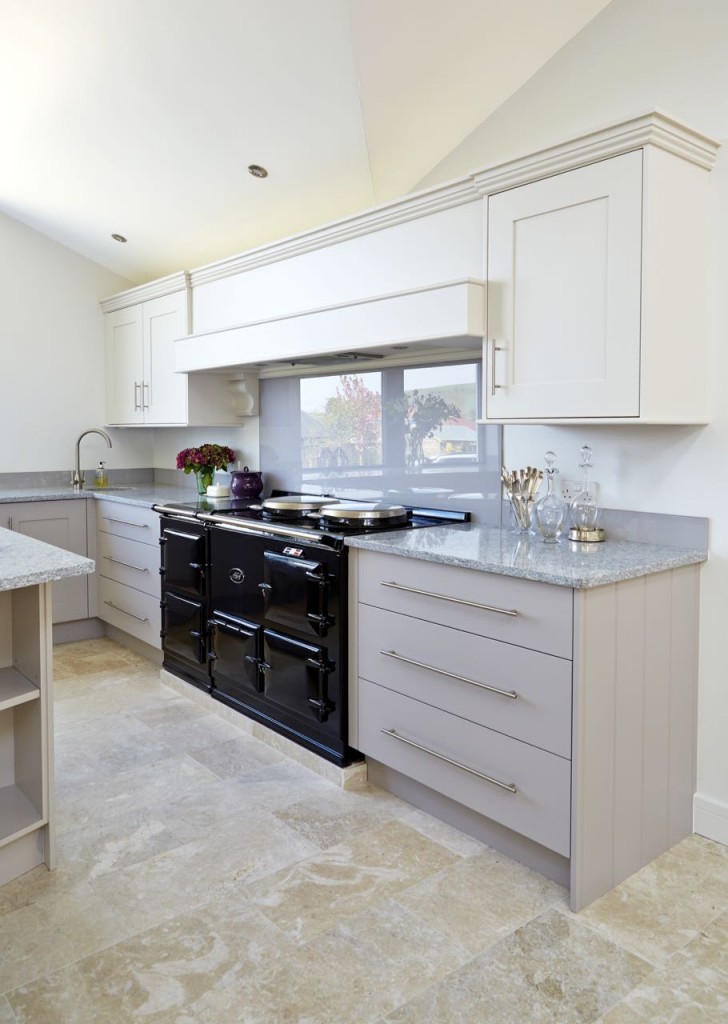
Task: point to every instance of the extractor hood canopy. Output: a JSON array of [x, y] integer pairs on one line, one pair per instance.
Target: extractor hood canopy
[[447, 317]]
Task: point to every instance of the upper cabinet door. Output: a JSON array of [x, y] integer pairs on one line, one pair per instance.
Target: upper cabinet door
[[124, 366], [564, 294], [164, 391]]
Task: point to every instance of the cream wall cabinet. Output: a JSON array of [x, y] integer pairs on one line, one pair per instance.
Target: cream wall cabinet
[[128, 567], [142, 388], [63, 524], [596, 294], [558, 720]]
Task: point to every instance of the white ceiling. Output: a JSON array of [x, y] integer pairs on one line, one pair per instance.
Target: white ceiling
[[141, 116]]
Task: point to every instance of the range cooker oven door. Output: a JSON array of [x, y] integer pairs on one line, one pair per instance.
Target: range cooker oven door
[[299, 679], [184, 629], [183, 557], [235, 662], [297, 593]]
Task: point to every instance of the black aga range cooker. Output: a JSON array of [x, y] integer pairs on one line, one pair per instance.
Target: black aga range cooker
[[254, 605]]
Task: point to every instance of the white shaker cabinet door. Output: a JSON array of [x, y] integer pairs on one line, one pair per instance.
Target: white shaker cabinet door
[[164, 391], [124, 366], [564, 288]]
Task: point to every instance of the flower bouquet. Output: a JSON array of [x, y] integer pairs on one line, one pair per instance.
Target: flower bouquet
[[203, 462]]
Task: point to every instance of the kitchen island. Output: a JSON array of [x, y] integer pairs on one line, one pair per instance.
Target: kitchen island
[[27, 569], [541, 697]]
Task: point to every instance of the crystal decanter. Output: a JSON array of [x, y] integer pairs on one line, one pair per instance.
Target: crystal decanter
[[584, 509], [551, 509]]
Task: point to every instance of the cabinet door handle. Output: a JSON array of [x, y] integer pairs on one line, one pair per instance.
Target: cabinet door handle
[[448, 760], [494, 347], [125, 522], [450, 675], [10, 522], [145, 402], [453, 600], [128, 565], [118, 608], [137, 396]]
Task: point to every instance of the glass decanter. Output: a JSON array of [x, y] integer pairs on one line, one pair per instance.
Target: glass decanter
[[551, 509], [584, 508]]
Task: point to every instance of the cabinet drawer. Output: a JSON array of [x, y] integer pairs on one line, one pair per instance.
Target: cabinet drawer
[[130, 610], [535, 615], [129, 562], [133, 521], [540, 713], [540, 806]]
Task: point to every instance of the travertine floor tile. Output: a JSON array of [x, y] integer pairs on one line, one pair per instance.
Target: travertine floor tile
[[164, 971], [105, 800], [236, 756], [661, 908], [40, 938], [692, 985], [6, 1014], [313, 896], [481, 899], [181, 879], [350, 975], [330, 818], [553, 970]]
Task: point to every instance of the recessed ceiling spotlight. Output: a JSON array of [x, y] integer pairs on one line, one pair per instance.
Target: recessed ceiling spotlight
[[257, 171], [118, 238]]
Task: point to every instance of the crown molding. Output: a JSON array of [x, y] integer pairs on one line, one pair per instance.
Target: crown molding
[[398, 211], [142, 293], [653, 129]]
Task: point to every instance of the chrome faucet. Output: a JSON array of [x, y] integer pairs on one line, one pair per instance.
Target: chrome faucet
[[77, 477]]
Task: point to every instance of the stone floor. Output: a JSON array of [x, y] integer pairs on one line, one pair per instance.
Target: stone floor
[[204, 878]]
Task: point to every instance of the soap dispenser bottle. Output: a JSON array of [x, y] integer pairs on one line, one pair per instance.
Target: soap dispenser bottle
[[102, 477]]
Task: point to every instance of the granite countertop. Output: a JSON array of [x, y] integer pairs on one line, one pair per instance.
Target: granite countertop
[[25, 561], [500, 551], [129, 494]]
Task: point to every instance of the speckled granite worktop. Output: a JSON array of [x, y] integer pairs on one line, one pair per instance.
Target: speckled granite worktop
[[129, 494], [25, 561], [565, 564]]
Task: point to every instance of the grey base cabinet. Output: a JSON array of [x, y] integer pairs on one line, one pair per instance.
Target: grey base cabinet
[[563, 719], [62, 524], [128, 567]]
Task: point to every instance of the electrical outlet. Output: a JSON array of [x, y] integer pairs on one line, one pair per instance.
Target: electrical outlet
[[570, 489]]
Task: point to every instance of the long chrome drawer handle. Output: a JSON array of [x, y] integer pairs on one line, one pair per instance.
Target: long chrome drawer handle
[[125, 522], [450, 675], [441, 757], [118, 608], [454, 600], [118, 561]]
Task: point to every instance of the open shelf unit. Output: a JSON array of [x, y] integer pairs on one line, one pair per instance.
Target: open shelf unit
[[26, 735]]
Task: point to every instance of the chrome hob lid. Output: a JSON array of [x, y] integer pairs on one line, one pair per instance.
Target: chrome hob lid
[[296, 503], [367, 510]]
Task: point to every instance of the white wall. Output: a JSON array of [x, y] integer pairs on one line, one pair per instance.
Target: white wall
[[52, 357], [636, 55]]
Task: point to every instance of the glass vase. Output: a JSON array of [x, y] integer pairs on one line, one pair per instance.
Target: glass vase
[[204, 477]]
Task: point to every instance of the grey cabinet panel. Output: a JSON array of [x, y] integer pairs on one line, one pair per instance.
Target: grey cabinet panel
[[544, 613], [62, 524], [540, 806], [540, 713]]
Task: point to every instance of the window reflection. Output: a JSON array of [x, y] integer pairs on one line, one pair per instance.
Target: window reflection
[[421, 419], [404, 434]]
